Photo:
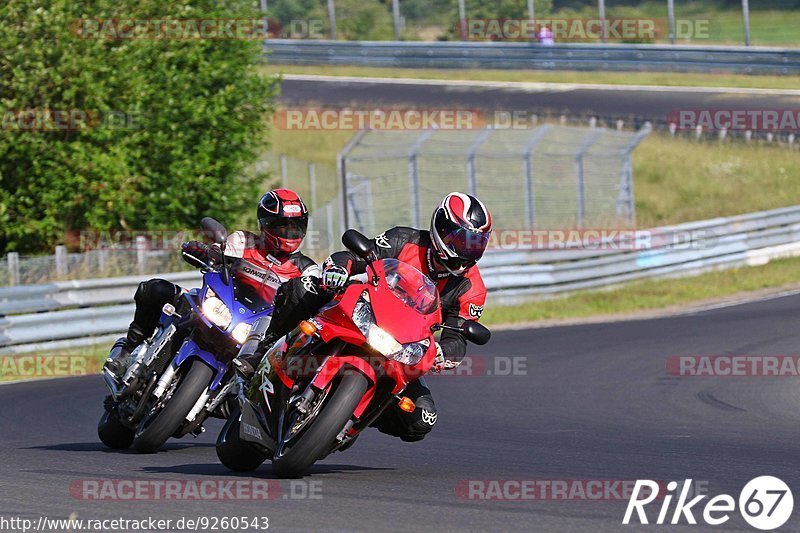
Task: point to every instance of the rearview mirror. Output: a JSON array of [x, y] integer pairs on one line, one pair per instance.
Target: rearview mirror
[[476, 333], [357, 243], [214, 229]]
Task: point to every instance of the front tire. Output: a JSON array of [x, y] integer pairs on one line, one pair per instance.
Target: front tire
[[319, 436], [234, 453], [112, 432], [156, 428]]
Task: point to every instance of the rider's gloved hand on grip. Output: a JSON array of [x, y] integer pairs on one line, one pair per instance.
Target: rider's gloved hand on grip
[[441, 362], [194, 251], [334, 277]]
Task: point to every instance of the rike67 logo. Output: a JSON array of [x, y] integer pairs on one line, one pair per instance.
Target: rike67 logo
[[765, 503]]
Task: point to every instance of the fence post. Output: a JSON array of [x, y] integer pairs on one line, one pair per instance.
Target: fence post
[[625, 202], [601, 7], [13, 268], [141, 254], [413, 176], [341, 168], [671, 17], [472, 180], [284, 172], [746, 17], [102, 255], [265, 20], [581, 181], [312, 184], [462, 20], [531, 20], [396, 18], [332, 18], [330, 232], [527, 168], [62, 268]]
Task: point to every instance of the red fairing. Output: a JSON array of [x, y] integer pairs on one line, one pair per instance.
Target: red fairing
[[399, 320]]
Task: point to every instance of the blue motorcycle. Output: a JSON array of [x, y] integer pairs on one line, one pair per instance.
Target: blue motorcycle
[[182, 375]]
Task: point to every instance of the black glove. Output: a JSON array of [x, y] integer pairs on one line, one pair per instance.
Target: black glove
[[195, 253]]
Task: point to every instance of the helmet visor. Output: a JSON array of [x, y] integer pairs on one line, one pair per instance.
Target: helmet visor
[[286, 228], [467, 244]]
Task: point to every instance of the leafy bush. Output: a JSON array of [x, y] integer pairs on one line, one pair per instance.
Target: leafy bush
[[171, 126]]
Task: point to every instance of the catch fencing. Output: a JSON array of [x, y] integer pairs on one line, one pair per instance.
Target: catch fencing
[[550, 176], [509, 55], [65, 314]]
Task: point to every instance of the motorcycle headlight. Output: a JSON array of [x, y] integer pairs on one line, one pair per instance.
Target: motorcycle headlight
[[382, 342], [216, 311], [411, 353], [240, 332]]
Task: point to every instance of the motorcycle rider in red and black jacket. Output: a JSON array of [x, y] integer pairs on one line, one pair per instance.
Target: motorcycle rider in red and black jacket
[[263, 261], [447, 253]]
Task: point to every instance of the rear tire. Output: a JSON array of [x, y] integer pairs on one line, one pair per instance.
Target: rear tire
[[154, 432], [233, 452], [112, 432], [319, 436]]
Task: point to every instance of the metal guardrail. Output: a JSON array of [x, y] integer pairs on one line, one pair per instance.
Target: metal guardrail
[[65, 313], [505, 55]]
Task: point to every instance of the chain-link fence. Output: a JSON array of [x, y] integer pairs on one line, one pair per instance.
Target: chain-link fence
[[546, 177], [552, 176], [23, 270]]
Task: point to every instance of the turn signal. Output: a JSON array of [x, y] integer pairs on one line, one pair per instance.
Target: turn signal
[[307, 327], [407, 404]]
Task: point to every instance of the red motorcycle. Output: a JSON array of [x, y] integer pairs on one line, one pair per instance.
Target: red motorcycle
[[329, 379]]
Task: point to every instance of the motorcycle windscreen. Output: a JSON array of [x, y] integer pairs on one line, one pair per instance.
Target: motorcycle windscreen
[[250, 296], [409, 307], [411, 286]]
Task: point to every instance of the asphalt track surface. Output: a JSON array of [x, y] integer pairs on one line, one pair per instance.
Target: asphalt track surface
[[637, 104], [594, 403]]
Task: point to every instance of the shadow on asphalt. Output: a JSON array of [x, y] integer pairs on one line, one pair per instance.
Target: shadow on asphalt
[[99, 447], [217, 469]]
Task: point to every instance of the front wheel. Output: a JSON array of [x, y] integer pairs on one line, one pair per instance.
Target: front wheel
[[112, 432], [157, 427], [319, 436], [234, 453]]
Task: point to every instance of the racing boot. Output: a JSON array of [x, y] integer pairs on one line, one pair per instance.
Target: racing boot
[[246, 364], [120, 354]]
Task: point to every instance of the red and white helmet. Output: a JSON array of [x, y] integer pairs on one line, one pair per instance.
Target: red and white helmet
[[283, 220], [460, 231]]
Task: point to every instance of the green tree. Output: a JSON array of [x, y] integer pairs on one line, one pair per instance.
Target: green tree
[[173, 123]]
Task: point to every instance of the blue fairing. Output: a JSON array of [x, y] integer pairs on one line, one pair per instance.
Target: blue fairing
[[239, 314], [191, 349]]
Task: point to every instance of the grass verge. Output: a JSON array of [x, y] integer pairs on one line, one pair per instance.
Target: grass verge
[[669, 79]]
